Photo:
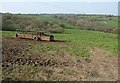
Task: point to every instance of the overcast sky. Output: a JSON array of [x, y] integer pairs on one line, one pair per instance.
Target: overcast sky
[[61, 6], [59, 0]]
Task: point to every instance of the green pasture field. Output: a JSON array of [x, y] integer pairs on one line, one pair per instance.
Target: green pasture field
[[80, 41], [112, 22], [87, 38]]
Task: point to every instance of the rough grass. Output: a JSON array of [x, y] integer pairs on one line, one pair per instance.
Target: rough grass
[[78, 43], [7, 33], [81, 40], [28, 71], [112, 22], [59, 49], [87, 38]]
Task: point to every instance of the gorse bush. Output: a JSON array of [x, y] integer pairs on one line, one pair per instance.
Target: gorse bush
[[12, 22], [87, 22], [56, 23]]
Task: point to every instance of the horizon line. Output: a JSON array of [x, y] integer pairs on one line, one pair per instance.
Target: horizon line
[[61, 13]]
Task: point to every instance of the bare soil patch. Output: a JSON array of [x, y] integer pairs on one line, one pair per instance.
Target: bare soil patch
[[19, 65]]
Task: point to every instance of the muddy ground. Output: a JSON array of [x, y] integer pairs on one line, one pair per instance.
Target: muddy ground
[[18, 64]]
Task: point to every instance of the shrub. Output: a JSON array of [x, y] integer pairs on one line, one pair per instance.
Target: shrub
[[13, 22]]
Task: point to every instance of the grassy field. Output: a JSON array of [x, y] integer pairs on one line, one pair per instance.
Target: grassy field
[[7, 33], [79, 38], [111, 21], [91, 39]]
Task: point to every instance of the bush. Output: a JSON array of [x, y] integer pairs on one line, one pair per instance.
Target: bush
[[85, 23], [116, 30], [56, 30], [13, 22]]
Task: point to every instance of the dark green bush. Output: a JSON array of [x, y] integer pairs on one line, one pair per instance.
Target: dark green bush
[[12, 22]]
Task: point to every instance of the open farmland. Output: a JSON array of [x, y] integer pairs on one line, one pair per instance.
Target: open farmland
[[85, 48], [74, 59]]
